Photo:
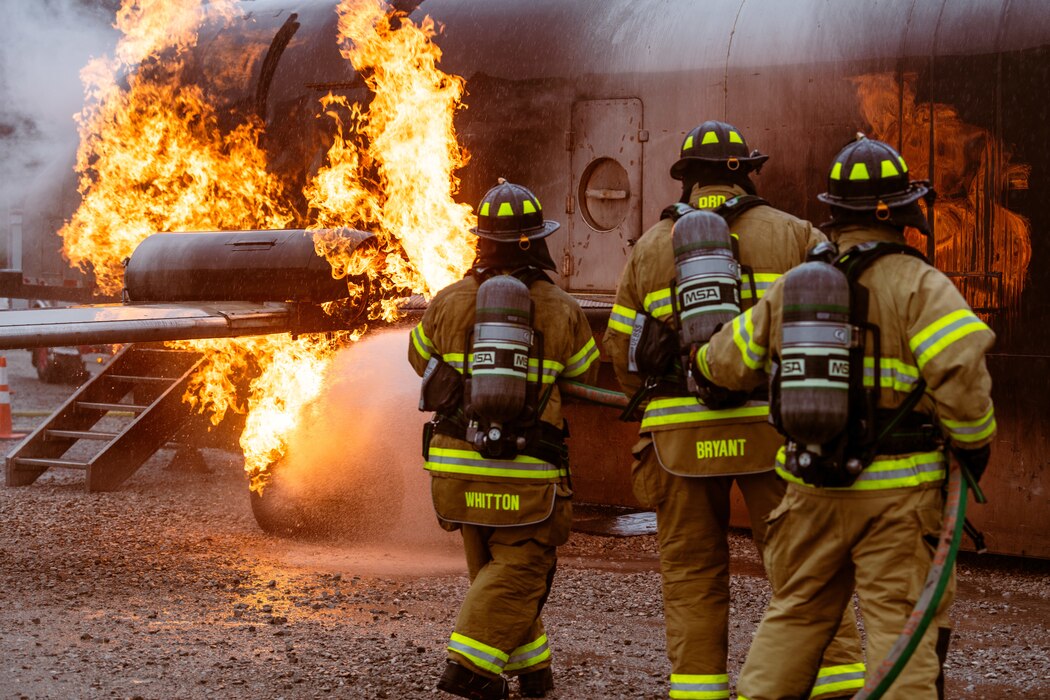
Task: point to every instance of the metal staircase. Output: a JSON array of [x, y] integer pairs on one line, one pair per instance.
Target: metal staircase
[[131, 409]]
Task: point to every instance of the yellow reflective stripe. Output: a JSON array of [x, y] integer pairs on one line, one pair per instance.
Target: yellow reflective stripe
[[735, 137], [455, 359], [484, 656], [422, 343], [622, 319], [931, 340], [505, 209], [658, 303], [484, 209], [709, 137], [527, 207], [688, 409], [447, 460], [753, 354], [582, 360], [836, 171], [701, 362], [973, 430], [887, 472], [835, 679], [904, 166], [529, 654], [859, 172], [714, 686], [763, 281], [688, 143], [551, 370], [894, 374]]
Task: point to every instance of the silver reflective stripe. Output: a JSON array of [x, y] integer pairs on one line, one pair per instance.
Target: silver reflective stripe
[[708, 265], [902, 473], [437, 458], [467, 650], [839, 678], [509, 332], [816, 333]]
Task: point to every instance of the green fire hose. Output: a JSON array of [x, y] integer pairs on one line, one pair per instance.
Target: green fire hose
[[953, 527], [933, 590]]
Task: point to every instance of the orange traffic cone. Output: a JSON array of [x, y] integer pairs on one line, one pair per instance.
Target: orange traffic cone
[[5, 405]]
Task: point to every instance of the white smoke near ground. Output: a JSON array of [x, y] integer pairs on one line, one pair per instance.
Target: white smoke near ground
[[43, 46], [357, 462]]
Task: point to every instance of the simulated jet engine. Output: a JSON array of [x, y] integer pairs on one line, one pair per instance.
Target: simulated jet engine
[[182, 286]]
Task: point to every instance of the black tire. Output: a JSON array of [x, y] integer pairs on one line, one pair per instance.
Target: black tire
[[47, 369]]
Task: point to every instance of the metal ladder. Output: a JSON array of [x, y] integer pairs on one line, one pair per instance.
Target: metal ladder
[[144, 383]]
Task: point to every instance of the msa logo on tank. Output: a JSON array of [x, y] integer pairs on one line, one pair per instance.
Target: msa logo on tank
[[792, 368], [492, 501]]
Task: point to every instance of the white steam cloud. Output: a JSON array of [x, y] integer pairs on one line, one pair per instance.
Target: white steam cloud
[[43, 46]]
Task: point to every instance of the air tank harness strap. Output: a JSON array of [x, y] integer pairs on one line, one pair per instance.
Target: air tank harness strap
[[544, 441], [729, 210]]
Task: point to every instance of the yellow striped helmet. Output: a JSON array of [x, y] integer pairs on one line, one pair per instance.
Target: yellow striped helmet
[[511, 213], [869, 175], [717, 142]]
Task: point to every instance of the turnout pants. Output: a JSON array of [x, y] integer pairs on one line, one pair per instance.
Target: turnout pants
[[499, 630], [692, 528], [822, 544]]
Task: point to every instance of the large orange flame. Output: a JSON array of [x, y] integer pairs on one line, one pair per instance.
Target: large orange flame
[[987, 249], [153, 158]]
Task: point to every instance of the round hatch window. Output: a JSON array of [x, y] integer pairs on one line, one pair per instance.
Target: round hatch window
[[604, 194]]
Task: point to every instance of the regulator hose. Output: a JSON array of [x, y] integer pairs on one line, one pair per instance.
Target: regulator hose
[[932, 592], [593, 394]]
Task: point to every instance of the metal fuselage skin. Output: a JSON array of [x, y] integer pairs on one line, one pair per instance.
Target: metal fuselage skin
[[587, 102]]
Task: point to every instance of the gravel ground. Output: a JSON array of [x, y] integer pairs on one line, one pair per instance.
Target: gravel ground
[[167, 588]]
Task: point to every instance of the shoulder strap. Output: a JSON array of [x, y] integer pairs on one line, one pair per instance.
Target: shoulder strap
[[854, 262], [859, 258], [731, 209]]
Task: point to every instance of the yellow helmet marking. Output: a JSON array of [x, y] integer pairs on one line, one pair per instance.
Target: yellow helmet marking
[[709, 137], [859, 171], [527, 208], [735, 137], [836, 171], [505, 209], [889, 169], [484, 209], [904, 166], [688, 143]]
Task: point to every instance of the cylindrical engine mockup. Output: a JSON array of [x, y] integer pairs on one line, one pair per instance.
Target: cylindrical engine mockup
[[277, 265], [814, 355], [707, 275], [502, 341]]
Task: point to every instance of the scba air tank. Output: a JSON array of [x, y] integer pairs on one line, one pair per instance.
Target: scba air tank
[[707, 275], [816, 337], [502, 340]]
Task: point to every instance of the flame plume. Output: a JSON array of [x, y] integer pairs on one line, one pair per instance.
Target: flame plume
[[153, 158], [408, 135], [990, 245]]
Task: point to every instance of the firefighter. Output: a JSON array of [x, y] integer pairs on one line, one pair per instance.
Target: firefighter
[[490, 348], [864, 413], [689, 455]]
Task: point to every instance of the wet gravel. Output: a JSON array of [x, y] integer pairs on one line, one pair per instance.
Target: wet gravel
[[167, 588]]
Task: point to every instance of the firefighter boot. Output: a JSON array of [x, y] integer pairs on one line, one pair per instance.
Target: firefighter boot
[[536, 683], [463, 682]]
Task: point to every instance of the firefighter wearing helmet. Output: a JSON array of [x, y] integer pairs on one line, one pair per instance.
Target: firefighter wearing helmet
[[878, 365], [490, 349], [721, 247]]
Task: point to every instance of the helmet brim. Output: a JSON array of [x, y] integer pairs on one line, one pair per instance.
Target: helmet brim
[[535, 234], [916, 191], [682, 164]]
